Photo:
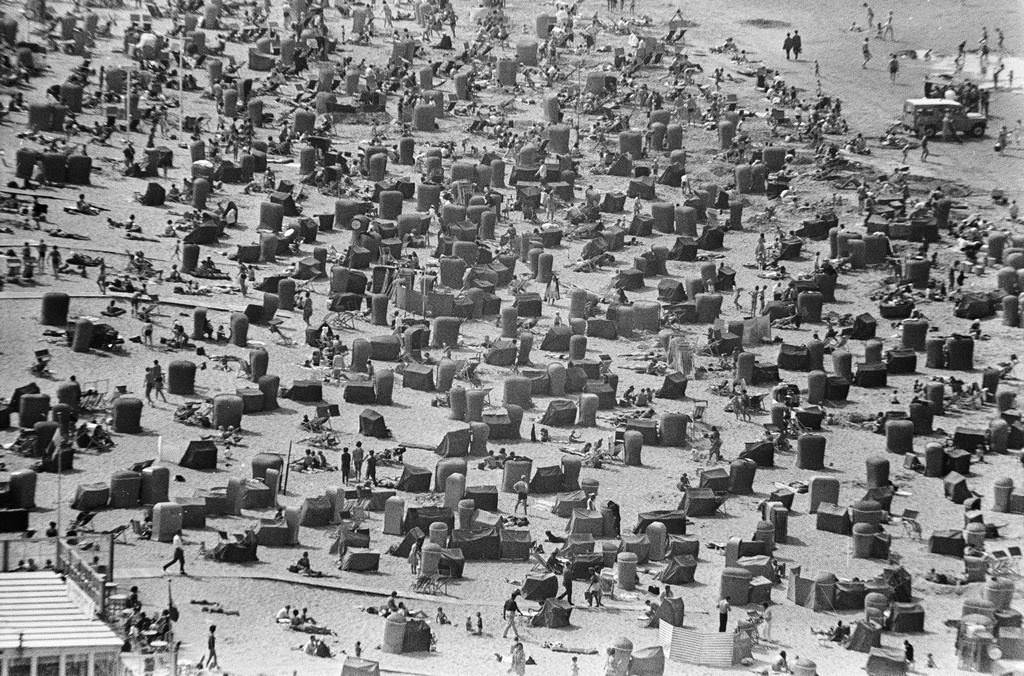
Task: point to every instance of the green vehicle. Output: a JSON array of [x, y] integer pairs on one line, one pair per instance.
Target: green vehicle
[[924, 116]]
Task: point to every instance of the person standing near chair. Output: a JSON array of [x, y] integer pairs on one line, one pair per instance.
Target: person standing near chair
[[414, 558], [723, 614], [371, 468], [179, 554], [346, 465], [522, 490], [567, 585], [307, 309], [766, 615]]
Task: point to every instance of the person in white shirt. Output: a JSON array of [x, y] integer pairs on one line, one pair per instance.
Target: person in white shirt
[[179, 554]]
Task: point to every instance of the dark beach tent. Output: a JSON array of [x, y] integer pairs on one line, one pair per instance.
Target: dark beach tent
[[790, 248], [673, 519], [674, 387], [679, 570], [565, 503], [422, 517], [629, 280], [200, 455], [155, 196], [884, 662], [672, 609], [479, 544], [671, 291], [415, 479], [761, 452], [540, 586], [672, 176], [685, 249], [411, 537], [357, 666], [202, 234], [557, 339], [236, 552], [974, 306], [700, 502], [452, 563], [864, 326], [711, 239], [360, 561], [417, 637], [865, 636], [794, 357], [371, 424], [553, 615], [455, 444], [546, 480], [515, 544], [560, 413], [947, 543]]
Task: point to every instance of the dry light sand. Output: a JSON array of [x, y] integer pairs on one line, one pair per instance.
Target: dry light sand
[[251, 643]]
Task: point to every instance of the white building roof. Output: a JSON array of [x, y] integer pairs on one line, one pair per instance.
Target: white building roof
[[37, 613]]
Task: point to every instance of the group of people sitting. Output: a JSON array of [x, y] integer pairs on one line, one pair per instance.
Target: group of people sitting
[[497, 461], [312, 461], [632, 397], [300, 621]]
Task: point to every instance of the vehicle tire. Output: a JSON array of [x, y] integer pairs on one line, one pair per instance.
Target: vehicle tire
[[978, 131], [929, 131]]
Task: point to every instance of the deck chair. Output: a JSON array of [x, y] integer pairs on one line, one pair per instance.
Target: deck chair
[[82, 522], [119, 533], [13, 270], [998, 562], [910, 524], [1015, 558], [94, 395]]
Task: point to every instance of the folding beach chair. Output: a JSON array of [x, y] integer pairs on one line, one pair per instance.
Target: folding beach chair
[[910, 524], [1015, 559], [998, 562]]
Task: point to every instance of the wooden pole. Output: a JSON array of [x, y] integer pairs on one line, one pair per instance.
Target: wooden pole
[[181, 86], [128, 100], [287, 469]]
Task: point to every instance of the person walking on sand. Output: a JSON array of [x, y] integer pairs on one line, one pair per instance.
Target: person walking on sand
[[888, 33], [787, 45], [924, 147], [871, 15], [211, 649], [865, 49], [894, 68], [179, 554], [508, 613], [723, 614], [158, 383], [798, 45], [567, 585]]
